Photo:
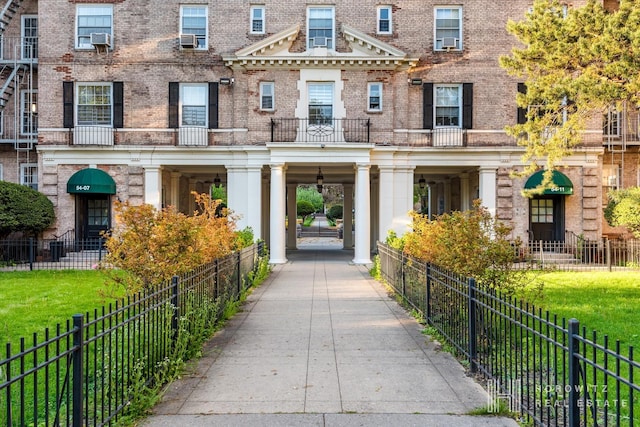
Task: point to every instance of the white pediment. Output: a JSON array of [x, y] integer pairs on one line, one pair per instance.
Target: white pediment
[[366, 52]]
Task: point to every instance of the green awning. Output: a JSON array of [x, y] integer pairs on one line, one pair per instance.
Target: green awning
[[91, 181], [560, 183]]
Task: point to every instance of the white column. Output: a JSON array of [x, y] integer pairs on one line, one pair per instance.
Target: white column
[[347, 217], [153, 186], [488, 188], [363, 214], [292, 210], [375, 211], [402, 201], [243, 196], [465, 202], [385, 212], [266, 197], [277, 249], [175, 190]]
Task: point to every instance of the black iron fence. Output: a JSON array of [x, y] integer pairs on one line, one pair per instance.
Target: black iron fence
[[578, 253], [61, 253], [549, 370], [321, 130], [87, 371]]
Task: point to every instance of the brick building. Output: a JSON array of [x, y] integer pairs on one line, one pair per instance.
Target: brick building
[[398, 101]]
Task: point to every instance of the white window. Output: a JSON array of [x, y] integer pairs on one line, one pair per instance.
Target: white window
[[611, 177], [257, 20], [448, 105], [94, 104], [374, 96], [193, 20], [29, 175], [320, 103], [448, 28], [267, 96], [92, 19], [320, 27], [611, 126], [29, 36], [384, 20], [1, 176], [29, 112], [193, 104]]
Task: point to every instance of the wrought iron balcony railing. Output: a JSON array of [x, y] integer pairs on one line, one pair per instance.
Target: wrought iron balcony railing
[[323, 130]]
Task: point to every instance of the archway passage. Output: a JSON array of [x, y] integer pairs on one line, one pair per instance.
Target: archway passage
[[320, 212]]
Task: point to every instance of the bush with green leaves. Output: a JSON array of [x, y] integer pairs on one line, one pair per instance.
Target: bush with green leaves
[[23, 209], [305, 209], [623, 209], [335, 212], [471, 243], [310, 194]]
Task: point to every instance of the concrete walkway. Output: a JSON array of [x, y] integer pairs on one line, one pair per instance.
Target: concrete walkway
[[320, 343]]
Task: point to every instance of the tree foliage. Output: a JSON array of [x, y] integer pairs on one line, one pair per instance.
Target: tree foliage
[[623, 209], [151, 246], [335, 212], [23, 209], [576, 62], [310, 194], [470, 243], [305, 208]]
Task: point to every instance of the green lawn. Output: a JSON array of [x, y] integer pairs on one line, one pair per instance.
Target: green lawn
[[31, 301], [608, 302]]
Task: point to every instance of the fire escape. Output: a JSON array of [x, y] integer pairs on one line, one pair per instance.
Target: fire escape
[[18, 78]]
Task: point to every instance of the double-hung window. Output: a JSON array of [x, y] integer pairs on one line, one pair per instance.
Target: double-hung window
[[267, 96], [94, 104], [29, 175], [92, 19], [448, 103], [374, 96], [29, 36], [448, 28], [193, 104], [384, 20], [320, 27], [29, 112], [257, 20], [193, 20], [611, 126], [320, 104]]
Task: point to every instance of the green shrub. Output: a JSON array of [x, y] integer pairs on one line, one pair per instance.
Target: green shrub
[[23, 209], [335, 212], [305, 208]]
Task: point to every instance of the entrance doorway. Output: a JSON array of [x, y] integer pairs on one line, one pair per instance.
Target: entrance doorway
[[93, 218], [547, 218]]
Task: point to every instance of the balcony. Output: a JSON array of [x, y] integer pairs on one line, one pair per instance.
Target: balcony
[[321, 131], [93, 135], [18, 49]]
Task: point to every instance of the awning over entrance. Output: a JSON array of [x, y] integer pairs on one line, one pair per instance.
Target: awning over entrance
[[560, 183], [91, 181]]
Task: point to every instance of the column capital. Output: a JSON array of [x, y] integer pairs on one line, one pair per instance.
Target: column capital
[[360, 166]]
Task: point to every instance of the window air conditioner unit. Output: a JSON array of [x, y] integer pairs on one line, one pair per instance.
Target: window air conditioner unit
[[449, 43], [319, 42], [101, 39], [188, 41]]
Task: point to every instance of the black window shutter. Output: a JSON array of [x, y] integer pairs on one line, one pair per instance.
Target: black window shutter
[[467, 105], [118, 105], [174, 98], [213, 105], [522, 112], [427, 106], [67, 104]]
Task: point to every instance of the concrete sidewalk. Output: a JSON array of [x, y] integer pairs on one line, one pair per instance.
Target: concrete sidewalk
[[321, 343]]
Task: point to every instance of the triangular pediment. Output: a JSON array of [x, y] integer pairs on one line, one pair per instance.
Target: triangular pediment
[[366, 52]]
